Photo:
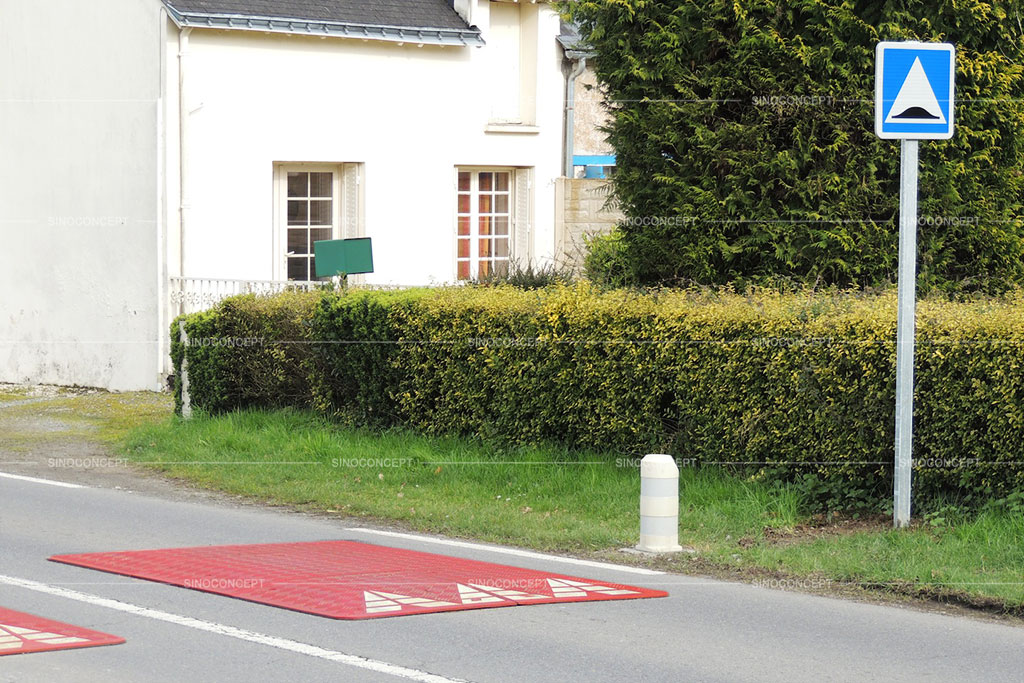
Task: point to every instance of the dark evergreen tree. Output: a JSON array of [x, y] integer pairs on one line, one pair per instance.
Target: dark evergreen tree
[[746, 147]]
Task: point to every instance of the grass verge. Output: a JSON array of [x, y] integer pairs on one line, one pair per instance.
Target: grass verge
[[31, 417], [549, 499]]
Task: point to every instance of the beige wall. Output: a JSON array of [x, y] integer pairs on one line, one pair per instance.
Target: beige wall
[[80, 228], [581, 212]]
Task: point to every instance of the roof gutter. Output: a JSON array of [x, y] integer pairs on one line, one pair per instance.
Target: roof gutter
[[398, 34]]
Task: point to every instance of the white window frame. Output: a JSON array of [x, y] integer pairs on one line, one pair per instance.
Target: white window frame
[[474, 216]]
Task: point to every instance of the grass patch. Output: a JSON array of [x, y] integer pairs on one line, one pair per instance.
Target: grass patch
[[549, 499], [982, 556], [114, 416], [98, 416], [539, 497], [13, 392]]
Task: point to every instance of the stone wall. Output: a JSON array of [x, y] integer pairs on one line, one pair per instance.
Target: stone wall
[[581, 212], [590, 115]]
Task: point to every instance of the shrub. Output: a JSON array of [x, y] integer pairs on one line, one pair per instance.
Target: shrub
[[606, 262], [527, 277], [359, 337], [249, 351], [795, 387]]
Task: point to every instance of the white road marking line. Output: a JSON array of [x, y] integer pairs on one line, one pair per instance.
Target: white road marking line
[[232, 632], [509, 551], [36, 480]]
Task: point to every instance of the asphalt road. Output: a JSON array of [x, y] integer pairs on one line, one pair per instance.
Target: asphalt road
[[705, 631]]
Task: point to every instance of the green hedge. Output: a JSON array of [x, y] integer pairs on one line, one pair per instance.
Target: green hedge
[[793, 387], [250, 350]]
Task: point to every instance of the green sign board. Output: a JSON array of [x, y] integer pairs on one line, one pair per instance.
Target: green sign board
[[348, 257]]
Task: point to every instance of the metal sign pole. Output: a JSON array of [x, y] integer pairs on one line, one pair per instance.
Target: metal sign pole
[[914, 94], [905, 333]]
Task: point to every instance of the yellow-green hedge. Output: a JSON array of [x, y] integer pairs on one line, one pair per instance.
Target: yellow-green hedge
[[793, 387]]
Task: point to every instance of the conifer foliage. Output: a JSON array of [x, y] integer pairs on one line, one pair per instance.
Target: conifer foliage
[[746, 150]]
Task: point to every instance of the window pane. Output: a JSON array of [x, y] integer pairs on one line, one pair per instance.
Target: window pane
[[297, 241], [483, 223], [298, 268], [298, 184], [320, 212], [320, 184], [298, 212], [500, 268], [318, 234]]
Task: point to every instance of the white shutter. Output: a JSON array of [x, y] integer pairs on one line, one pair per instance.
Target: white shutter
[[352, 219], [352, 224], [523, 219]]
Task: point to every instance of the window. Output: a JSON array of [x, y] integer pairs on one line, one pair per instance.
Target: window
[[315, 202], [484, 223], [310, 218], [492, 220]]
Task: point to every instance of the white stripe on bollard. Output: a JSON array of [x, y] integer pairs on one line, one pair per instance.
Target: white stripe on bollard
[[659, 504]]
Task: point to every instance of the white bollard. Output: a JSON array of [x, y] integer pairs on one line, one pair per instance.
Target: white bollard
[[659, 504]]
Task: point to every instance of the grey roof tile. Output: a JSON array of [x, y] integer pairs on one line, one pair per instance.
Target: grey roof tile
[[418, 14]]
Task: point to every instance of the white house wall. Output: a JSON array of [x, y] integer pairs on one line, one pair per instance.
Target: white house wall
[[409, 114], [79, 279]]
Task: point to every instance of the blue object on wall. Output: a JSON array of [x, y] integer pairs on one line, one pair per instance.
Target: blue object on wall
[[593, 160]]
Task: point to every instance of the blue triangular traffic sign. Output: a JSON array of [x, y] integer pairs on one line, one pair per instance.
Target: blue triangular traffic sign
[[914, 90]]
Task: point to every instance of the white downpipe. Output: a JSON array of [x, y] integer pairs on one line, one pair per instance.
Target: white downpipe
[[183, 115], [570, 113], [163, 307]]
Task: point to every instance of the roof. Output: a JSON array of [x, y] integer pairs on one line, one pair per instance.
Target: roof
[[573, 43], [415, 21]]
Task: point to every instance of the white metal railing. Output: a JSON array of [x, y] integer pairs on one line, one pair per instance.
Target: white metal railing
[[194, 294]]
